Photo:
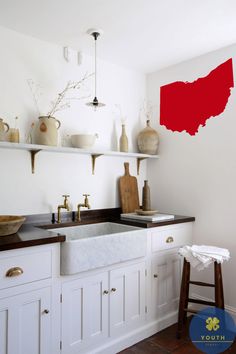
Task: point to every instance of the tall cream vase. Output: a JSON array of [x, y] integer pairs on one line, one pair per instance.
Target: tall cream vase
[[123, 140], [46, 131]]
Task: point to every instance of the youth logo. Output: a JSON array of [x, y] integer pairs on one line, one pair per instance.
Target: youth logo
[[212, 330]]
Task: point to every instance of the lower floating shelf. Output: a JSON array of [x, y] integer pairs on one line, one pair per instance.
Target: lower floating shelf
[[35, 149]]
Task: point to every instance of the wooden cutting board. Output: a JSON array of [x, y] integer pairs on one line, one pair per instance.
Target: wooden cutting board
[[128, 188]]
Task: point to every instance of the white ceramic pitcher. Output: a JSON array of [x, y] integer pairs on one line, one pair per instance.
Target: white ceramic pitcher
[[46, 131]]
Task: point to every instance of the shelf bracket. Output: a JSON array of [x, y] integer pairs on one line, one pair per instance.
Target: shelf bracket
[[33, 153], [139, 159], [94, 157]]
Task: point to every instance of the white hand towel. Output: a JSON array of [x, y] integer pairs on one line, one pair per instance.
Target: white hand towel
[[201, 257], [211, 250]]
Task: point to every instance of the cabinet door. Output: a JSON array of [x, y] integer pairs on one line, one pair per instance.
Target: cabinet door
[[25, 325], [127, 298], [175, 265], [166, 278], [84, 312]]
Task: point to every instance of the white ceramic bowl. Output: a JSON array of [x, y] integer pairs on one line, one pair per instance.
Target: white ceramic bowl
[[83, 140]]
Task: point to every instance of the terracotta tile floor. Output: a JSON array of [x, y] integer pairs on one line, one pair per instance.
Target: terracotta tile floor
[[165, 342]]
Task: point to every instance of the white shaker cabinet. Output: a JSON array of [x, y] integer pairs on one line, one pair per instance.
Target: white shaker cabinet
[[166, 270], [100, 311], [26, 300], [84, 312], [165, 283], [25, 323], [127, 298], [100, 306]]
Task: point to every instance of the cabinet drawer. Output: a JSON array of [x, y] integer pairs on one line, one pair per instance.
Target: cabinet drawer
[[171, 237], [25, 268]]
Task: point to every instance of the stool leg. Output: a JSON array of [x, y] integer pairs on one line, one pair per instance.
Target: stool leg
[[219, 292], [187, 290], [183, 300]]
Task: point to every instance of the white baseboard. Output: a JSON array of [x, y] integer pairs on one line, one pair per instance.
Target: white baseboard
[[231, 310], [127, 340], [148, 329]]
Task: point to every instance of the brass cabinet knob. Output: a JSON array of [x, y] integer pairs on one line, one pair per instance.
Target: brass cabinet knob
[[66, 195], [14, 272], [155, 275], [46, 311], [113, 289], [105, 292], [169, 239]]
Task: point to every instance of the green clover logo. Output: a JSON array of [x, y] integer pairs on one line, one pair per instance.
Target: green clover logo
[[212, 324]]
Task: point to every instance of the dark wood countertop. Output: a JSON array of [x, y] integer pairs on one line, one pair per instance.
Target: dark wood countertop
[[27, 236], [178, 219], [34, 232]]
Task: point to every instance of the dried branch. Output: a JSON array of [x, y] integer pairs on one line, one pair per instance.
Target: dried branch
[[71, 85], [147, 109], [62, 101]]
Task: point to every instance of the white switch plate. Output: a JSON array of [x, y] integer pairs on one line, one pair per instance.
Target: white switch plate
[[79, 58], [67, 54]]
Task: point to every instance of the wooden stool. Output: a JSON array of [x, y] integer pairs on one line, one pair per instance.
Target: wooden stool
[[184, 294]]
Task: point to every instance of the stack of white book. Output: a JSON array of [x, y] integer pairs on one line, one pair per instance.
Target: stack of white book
[[153, 218]]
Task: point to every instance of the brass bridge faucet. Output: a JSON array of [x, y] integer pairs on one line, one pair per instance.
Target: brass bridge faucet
[[84, 205], [63, 206]]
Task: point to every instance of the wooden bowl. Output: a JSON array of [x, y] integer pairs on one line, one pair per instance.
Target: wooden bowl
[[146, 212], [10, 224]]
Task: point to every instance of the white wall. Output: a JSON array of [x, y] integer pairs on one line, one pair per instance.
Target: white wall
[[196, 174], [21, 192]]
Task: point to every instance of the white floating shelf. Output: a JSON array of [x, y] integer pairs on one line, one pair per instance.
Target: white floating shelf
[[94, 153]]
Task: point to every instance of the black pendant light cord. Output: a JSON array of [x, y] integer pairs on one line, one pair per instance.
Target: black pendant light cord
[[95, 63], [95, 102]]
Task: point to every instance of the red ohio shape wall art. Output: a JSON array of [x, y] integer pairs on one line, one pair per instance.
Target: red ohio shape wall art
[[188, 105]]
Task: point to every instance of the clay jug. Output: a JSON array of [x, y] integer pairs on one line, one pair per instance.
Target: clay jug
[[148, 140], [123, 140], [4, 127], [46, 131]]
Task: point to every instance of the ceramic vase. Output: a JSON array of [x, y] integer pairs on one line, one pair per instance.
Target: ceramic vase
[[46, 131], [148, 140], [14, 135], [146, 199], [123, 140], [4, 127]]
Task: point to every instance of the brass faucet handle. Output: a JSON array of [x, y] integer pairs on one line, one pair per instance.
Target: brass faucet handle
[[66, 202], [86, 201]]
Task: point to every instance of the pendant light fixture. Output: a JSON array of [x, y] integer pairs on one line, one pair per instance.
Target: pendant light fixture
[[95, 33]]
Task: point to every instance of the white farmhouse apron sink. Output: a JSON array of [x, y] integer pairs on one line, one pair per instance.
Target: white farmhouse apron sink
[[98, 245]]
